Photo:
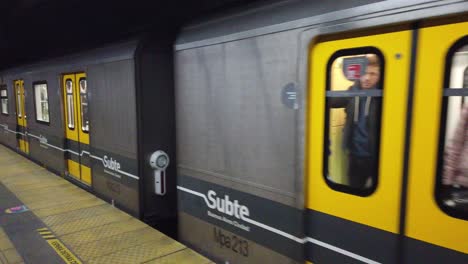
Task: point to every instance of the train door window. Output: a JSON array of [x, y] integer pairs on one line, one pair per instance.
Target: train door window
[[352, 123], [465, 84], [84, 105], [19, 104], [41, 101], [4, 99], [70, 104], [452, 184]]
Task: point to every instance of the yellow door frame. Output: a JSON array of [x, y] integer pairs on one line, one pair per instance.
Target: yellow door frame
[[83, 136], [21, 117], [73, 130], [382, 208], [424, 219]]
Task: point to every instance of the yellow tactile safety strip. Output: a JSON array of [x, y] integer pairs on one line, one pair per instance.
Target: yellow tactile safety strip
[[8, 254], [142, 252], [58, 246], [102, 232], [178, 257], [82, 225]]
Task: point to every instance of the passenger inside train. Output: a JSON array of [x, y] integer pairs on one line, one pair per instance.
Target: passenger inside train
[[455, 168], [354, 120]]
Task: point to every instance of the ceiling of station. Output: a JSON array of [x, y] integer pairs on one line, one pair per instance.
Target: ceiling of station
[[31, 30]]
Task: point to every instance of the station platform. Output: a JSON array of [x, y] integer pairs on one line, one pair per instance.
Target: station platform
[[46, 219]]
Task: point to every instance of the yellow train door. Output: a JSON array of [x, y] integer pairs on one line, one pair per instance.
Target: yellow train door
[[357, 100], [437, 210], [21, 117], [75, 95]]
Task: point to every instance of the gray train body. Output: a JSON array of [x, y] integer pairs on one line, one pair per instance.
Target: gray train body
[[232, 91], [241, 89], [131, 116]]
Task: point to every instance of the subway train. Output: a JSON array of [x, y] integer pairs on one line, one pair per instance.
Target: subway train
[[98, 138], [281, 132]]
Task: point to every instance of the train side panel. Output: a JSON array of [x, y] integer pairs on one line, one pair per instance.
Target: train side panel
[[45, 138], [237, 131], [113, 133]]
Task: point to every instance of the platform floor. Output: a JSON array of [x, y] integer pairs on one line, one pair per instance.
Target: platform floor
[[65, 224]]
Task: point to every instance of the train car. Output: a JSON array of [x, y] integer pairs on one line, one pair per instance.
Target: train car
[[267, 169], [96, 118]]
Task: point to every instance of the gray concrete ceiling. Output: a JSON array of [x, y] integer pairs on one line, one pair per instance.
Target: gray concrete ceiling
[[31, 30]]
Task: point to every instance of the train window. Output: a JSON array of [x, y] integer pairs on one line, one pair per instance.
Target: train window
[[452, 176], [84, 105], [19, 101], [4, 99], [70, 104], [352, 122], [41, 102]]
